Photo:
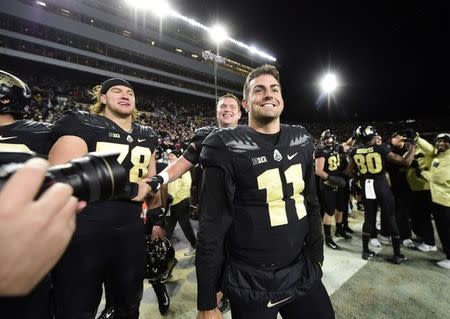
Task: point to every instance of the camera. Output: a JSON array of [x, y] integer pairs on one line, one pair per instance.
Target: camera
[[96, 176]]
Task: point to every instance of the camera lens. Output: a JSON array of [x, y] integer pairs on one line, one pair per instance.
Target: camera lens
[[97, 176]]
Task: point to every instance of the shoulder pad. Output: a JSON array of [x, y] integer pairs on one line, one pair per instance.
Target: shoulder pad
[[297, 134], [33, 126], [93, 119], [236, 139], [201, 133], [145, 130]]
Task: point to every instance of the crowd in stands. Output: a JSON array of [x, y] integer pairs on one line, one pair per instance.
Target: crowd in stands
[[175, 120]]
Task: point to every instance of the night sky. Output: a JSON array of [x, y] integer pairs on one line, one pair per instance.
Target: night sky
[[392, 57]]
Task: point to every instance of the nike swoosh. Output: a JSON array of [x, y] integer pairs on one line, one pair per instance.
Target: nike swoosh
[[270, 304], [141, 140], [291, 156], [7, 138]]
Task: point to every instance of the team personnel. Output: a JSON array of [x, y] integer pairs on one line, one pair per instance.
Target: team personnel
[[400, 189], [260, 224], [332, 187], [108, 242], [228, 113], [368, 159], [19, 139], [439, 177], [179, 189]]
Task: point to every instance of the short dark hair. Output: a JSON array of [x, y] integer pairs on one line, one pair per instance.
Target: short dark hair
[[263, 69], [230, 95]]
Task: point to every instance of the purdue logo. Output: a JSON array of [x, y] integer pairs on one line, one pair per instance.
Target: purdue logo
[[277, 156], [259, 160], [115, 135]]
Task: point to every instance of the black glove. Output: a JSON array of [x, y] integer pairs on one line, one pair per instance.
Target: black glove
[[155, 183], [156, 216], [169, 199], [336, 180], [410, 135]]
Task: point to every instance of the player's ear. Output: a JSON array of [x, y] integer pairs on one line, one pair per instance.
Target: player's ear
[[245, 105], [103, 98]]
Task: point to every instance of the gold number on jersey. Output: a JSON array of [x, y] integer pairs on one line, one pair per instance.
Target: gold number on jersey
[[370, 162], [270, 180], [140, 157], [20, 148], [333, 162]]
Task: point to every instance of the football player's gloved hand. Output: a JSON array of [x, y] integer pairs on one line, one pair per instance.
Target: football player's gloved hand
[[155, 183], [169, 199], [336, 180], [411, 135]]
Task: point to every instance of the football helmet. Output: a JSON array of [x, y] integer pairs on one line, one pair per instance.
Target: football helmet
[[327, 138], [367, 133], [15, 95], [159, 258]]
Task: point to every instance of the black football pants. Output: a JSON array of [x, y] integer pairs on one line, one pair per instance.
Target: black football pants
[[442, 221], [315, 304], [421, 209], [101, 251], [387, 204]]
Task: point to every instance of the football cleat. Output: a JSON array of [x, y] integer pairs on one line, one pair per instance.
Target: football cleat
[[330, 243], [399, 259], [368, 255]]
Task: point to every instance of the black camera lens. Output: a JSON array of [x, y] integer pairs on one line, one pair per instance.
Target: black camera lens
[[96, 176]]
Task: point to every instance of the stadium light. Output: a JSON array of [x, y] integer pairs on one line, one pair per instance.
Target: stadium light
[[42, 4], [218, 33], [329, 83], [163, 9], [160, 8]]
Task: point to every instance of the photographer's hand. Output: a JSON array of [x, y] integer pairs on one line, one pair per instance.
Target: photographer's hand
[[33, 233]]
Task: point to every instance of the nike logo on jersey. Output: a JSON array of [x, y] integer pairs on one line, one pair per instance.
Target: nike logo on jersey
[[6, 138], [291, 156], [141, 140], [270, 304]]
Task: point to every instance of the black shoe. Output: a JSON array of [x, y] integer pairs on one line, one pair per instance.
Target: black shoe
[[368, 255], [168, 274], [348, 230], [223, 304], [398, 259], [343, 234], [163, 298], [330, 243], [107, 313]]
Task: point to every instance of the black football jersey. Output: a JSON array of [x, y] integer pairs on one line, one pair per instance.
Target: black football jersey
[[135, 148], [370, 161], [267, 190], [333, 156], [20, 139], [197, 139]]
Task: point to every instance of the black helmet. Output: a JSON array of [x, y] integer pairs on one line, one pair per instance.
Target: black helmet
[[159, 258], [367, 133], [15, 95]]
